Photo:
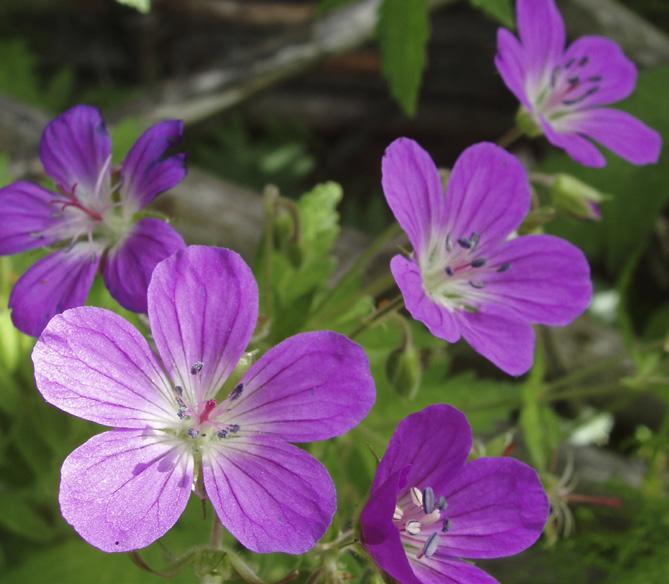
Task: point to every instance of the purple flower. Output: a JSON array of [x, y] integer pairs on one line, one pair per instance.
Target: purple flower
[[466, 277], [428, 507], [126, 487], [564, 91], [91, 217]]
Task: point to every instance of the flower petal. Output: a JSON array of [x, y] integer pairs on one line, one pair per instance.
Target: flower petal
[[129, 265], [436, 570], [439, 320], [92, 363], [501, 337], [497, 508], [203, 307], [579, 148], [542, 34], [380, 537], [27, 213], [124, 489], [603, 62], [435, 442], [548, 281], [412, 187], [510, 62], [312, 386], [488, 193], [149, 169], [620, 132], [75, 147], [272, 496], [58, 281]]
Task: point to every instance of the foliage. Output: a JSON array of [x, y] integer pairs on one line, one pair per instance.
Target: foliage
[[143, 6], [500, 10]]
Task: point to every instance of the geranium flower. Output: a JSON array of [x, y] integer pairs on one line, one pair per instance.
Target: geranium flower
[[466, 277], [564, 91], [429, 508], [126, 487], [91, 217]]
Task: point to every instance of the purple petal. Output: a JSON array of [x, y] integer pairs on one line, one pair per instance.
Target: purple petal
[[310, 387], [501, 337], [579, 148], [149, 168], [436, 570], [94, 364], [27, 213], [548, 281], [601, 64], [129, 265], [124, 489], [272, 496], [488, 193], [380, 537], [75, 148], [541, 31], [440, 321], [497, 508], [620, 132], [412, 187], [435, 442], [510, 62], [203, 307], [55, 283]]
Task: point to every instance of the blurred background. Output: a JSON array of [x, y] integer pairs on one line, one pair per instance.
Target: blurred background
[[297, 92]]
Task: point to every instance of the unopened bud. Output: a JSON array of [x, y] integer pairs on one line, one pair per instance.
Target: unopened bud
[[577, 198], [404, 371]]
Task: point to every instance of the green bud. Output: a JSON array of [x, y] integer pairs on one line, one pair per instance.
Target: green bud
[[527, 124], [577, 198], [536, 219], [404, 371]]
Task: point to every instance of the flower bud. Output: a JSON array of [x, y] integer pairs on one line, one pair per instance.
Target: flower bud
[[404, 371], [577, 198]]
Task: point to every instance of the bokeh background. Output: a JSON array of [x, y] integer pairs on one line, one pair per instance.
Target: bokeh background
[[293, 93]]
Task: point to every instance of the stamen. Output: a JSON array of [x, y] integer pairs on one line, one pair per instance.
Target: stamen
[[584, 61], [428, 500], [569, 63], [430, 546], [442, 503], [474, 238], [554, 75], [179, 390], [236, 392], [449, 270], [449, 247], [575, 80], [446, 525], [581, 98], [464, 242], [413, 527], [233, 428], [478, 263], [416, 496], [193, 433], [222, 433], [477, 285], [503, 268], [397, 515], [196, 367], [595, 78]]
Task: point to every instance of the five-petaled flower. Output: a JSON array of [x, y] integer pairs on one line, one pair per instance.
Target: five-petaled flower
[[91, 217], [429, 507], [564, 90], [466, 276], [126, 487]]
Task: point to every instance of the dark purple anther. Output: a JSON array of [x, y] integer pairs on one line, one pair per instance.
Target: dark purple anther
[[196, 367], [503, 268], [236, 392], [477, 285], [478, 263], [449, 270], [464, 242]]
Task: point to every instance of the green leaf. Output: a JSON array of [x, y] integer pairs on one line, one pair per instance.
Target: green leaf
[[143, 6], [123, 137], [325, 6], [403, 32], [18, 515], [500, 10]]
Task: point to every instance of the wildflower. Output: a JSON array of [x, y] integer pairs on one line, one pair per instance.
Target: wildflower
[[429, 508], [466, 278], [91, 217], [564, 91], [126, 487]]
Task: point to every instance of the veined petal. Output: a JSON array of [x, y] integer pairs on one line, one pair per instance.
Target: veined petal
[[380, 537], [435, 442], [510, 62], [412, 187], [272, 496], [124, 489], [579, 148], [620, 132], [439, 320], [203, 307], [129, 264], [312, 386], [58, 281], [542, 34], [149, 168], [488, 194], [497, 508], [500, 336], [75, 148], [27, 213], [92, 363], [548, 281], [442, 570]]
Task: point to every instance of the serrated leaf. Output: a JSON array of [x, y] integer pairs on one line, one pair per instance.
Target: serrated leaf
[[500, 10], [403, 32]]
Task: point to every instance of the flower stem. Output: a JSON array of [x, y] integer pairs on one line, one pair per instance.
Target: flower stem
[[270, 197], [509, 137], [216, 537], [390, 307]]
